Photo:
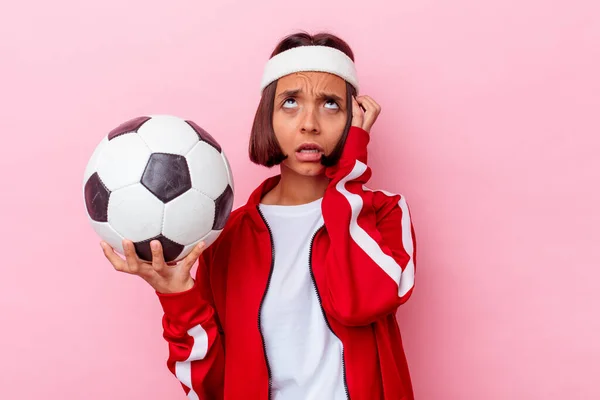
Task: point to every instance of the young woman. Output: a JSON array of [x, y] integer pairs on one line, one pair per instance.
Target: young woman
[[297, 297]]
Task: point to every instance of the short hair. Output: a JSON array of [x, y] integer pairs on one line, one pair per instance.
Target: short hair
[[264, 149]]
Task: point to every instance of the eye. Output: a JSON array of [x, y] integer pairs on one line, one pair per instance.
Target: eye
[[331, 104], [289, 103]]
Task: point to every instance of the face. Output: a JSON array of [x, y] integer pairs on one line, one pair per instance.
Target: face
[[309, 117]]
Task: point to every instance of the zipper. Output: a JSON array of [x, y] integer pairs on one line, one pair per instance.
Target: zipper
[[312, 276], [263, 299]]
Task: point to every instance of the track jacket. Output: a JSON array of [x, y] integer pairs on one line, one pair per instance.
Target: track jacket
[[362, 261]]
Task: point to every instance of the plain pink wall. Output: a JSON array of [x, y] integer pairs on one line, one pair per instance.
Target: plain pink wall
[[490, 127]]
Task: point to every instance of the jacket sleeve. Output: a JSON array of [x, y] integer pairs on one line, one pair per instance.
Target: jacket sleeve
[[370, 263], [191, 328]]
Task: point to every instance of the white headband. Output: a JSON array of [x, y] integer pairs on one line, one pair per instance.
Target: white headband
[[310, 58]]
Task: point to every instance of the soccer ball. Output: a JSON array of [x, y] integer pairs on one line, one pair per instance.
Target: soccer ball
[[158, 177]]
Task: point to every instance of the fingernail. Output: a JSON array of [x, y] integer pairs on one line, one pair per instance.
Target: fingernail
[[201, 245]]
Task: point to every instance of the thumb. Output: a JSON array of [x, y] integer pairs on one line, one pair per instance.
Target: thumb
[[190, 259]]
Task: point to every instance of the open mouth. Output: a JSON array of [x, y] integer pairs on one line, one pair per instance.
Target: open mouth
[[309, 148], [309, 152]]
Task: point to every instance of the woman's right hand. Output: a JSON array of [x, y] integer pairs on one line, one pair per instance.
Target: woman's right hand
[[364, 112], [163, 277]]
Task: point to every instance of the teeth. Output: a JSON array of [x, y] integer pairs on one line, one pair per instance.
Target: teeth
[[309, 151]]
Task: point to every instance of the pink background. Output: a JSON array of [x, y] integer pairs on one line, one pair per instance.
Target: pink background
[[490, 127]]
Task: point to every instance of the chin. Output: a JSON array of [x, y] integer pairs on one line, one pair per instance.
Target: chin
[[313, 171], [307, 169]]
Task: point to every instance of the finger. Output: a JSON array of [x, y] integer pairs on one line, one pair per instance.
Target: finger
[[357, 114], [117, 262], [371, 114], [191, 258], [370, 119], [131, 256], [158, 259], [370, 104], [359, 100]]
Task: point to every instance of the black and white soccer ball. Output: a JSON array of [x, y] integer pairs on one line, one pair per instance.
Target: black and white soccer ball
[[158, 177]]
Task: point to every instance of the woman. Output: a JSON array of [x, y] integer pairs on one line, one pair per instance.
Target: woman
[[297, 297]]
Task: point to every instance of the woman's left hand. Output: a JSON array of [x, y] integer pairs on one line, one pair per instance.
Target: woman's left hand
[[364, 119]]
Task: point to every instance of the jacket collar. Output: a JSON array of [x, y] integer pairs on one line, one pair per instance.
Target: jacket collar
[[262, 189], [251, 206]]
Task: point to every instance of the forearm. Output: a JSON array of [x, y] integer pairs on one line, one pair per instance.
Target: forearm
[[371, 261]]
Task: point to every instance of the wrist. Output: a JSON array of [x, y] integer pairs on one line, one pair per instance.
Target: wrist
[[178, 288], [356, 144]]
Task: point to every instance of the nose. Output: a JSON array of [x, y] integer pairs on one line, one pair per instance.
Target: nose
[[310, 123]]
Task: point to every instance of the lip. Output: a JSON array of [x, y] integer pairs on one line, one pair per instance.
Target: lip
[[309, 146], [314, 156]]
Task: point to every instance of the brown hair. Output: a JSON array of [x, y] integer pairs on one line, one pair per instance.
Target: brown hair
[[264, 148]]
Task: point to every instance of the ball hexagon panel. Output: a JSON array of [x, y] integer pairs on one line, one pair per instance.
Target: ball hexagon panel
[[207, 170], [223, 205], [90, 168], [135, 213], [96, 196], [188, 217], [109, 235], [123, 161], [167, 176], [127, 127], [168, 134], [170, 249], [204, 136]]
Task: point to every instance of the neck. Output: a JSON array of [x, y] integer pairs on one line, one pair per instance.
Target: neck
[[295, 189]]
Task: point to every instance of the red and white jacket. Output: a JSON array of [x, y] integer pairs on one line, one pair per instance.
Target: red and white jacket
[[363, 266]]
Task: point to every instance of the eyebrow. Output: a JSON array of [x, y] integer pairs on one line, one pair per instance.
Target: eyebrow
[[321, 95], [288, 93]]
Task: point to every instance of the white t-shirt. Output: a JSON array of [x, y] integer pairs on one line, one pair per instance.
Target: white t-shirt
[[304, 355]]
